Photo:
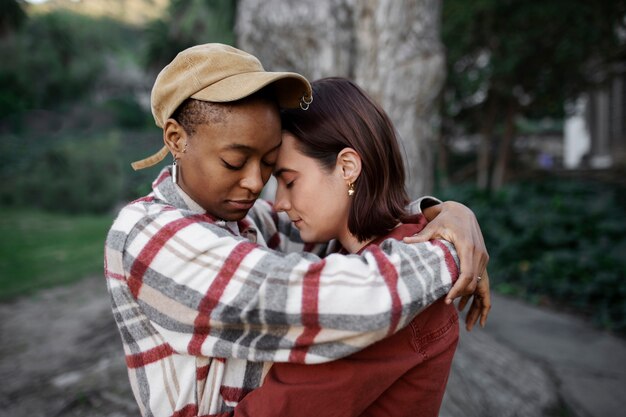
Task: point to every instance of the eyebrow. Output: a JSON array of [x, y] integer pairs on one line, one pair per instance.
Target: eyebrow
[[280, 171]]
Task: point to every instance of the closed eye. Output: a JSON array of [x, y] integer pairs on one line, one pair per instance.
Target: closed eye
[[231, 167]]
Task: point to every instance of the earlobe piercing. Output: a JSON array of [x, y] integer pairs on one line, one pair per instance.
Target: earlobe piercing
[[175, 171], [175, 167], [351, 190]]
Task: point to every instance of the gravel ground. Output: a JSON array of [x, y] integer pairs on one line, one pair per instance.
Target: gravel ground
[[61, 355]]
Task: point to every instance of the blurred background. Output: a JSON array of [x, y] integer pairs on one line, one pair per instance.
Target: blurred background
[[514, 108]]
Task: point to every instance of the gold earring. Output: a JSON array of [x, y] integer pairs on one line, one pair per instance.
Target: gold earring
[[351, 189]]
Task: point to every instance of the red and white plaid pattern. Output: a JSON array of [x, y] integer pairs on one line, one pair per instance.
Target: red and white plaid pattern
[[203, 311]]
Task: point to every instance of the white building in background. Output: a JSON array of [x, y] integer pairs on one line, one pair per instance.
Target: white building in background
[[576, 133], [595, 133]]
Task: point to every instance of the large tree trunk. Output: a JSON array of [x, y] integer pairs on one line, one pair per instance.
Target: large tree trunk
[[502, 163], [484, 148], [389, 47]]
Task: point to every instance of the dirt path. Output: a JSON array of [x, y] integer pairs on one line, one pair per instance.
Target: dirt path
[[61, 355]]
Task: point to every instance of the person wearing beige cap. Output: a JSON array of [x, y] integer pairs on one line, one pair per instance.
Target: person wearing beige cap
[[209, 286]]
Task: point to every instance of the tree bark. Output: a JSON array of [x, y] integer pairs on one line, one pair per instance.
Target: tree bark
[[484, 148], [504, 152], [391, 48], [442, 163]]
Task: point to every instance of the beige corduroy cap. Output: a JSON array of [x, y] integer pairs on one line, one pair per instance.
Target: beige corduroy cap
[[218, 73]]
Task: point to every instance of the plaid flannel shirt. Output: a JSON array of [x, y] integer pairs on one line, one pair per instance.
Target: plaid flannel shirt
[[203, 311]]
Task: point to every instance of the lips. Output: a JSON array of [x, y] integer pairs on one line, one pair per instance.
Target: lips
[[241, 204]]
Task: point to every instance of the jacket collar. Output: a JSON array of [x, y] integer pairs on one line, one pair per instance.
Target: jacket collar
[[164, 189]]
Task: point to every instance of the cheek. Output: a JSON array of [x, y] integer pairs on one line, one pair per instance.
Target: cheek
[[329, 209], [211, 180]]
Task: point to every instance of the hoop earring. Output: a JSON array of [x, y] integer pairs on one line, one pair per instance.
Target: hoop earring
[[305, 102], [351, 189], [175, 172]]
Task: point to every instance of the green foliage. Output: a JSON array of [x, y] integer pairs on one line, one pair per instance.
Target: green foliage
[[128, 113], [82, 175], [55, 58], [12, 16], [43, 249], [79, 172], [530, 52], [188, 23], [559, 241]]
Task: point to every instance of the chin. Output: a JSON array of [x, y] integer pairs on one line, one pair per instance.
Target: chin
[[234, 217], [313, 237]]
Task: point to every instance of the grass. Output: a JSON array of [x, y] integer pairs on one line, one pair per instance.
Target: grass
[[40, 250]]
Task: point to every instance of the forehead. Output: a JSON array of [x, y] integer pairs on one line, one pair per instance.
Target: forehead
[[248, 127], [291, 158], [289, 149]]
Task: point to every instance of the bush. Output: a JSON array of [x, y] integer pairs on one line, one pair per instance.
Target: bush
[[55, 58], [72, 176], [557, 241], [127, 112], [188, 23]]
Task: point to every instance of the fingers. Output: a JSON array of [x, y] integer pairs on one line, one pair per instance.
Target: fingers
[[485, 295], [482, 257], [424, 236], [481, 303], [473, 314], [484, 312], [470, 259], [468, 271], [463, 302], [463, 286]]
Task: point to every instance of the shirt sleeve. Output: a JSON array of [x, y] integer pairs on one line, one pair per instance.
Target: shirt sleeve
[[210, 293], [418, 206], [279, 232]]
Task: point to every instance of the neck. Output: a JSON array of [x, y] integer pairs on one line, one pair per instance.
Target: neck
[[351, 243]]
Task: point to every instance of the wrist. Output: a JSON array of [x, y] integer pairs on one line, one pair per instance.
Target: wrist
[[431, 212]]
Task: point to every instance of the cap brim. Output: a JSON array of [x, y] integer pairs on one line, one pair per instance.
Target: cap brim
[[289, 88]]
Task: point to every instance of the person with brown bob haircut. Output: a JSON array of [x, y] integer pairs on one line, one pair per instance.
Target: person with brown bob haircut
[[341, 176], [209, 286]]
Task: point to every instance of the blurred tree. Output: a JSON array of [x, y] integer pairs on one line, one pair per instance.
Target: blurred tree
[[73, 176], [46, 66], [521, 57], [188, 23], [55, 58], [12, 16], [391, 48]]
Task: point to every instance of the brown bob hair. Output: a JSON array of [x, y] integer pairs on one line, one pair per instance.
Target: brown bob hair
[[342, 116]]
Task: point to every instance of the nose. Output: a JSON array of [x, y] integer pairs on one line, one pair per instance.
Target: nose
[[282, 202], [253, 179]]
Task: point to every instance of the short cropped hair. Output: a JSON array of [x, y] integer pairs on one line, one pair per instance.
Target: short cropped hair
[[192, 113], [342, 115]]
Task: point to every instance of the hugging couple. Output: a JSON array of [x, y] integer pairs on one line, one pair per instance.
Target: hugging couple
[[334, 300]]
